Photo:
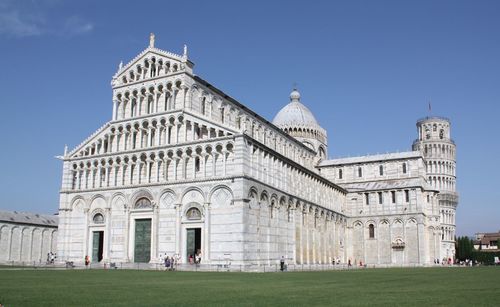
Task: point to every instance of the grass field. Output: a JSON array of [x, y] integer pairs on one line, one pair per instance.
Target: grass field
[[369, 287]]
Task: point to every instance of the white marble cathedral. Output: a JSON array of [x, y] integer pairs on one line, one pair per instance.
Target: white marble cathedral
[[183, 168]]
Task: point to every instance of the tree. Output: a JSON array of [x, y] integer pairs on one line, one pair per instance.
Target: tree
[[464, 248]]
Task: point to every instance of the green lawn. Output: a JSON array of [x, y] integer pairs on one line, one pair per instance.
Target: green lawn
[[369, 287]]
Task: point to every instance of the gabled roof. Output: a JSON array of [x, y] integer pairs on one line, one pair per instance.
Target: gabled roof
[[29, 218], [173, 56], [372, 158]]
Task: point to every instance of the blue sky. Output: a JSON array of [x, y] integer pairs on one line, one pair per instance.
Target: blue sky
[[367, 70]]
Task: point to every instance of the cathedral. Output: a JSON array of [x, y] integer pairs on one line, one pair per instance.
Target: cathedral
[[184, 169]]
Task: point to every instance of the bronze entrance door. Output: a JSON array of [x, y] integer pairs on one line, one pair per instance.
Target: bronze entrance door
[[97, 245], [193, 241], [142, 248]]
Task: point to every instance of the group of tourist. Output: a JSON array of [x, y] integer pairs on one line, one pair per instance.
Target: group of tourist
[[196, 258], [467, 262], [171, 262], [349, 263], [283, 266], [445, 261], [51, 258], [336, 261]]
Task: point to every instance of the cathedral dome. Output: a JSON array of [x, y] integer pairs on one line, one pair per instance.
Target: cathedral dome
[[295, 114], [299, 122]]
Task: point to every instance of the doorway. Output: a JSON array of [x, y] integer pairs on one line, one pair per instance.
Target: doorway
[[193, 242], [97, 245], [142, 248]]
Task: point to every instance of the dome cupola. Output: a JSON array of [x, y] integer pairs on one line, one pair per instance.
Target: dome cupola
[[295, 114], [298, 121]]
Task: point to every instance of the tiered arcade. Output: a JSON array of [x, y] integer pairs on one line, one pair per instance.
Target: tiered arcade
[[439, 150]]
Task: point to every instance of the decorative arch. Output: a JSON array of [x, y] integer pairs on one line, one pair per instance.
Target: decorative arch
[[98, 201], [253, 192], [220, 196], [143, 193], [193, 212], [168, 197], [274, 200], [411, 221], [187, 210], [143, 203], [264, 196], [384, 222], [118, 202], [358, 224], [283, 201], [78, 203], [78, 199], [397, 222], [97, 217], [193, 194]]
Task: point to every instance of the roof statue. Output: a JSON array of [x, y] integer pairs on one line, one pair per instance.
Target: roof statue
[[185, 53], [151, 40]]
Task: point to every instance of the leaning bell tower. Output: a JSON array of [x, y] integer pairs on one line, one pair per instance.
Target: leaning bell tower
[[439, 151]]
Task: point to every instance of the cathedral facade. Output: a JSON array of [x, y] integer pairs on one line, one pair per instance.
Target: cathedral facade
[[184, 169]]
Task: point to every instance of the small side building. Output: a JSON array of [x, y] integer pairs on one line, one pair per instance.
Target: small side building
[[487, 241], [27, 237]]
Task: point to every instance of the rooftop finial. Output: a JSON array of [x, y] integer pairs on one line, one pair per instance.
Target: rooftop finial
[[295, 95], [185, 54], [151, 40], [65, 150], [120, 66], [295, 86]]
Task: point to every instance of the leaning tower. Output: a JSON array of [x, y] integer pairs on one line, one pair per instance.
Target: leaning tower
[[439, 151]]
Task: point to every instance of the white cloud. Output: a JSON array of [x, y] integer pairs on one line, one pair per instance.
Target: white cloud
[[21, 19], [75, 25], [14, 24]]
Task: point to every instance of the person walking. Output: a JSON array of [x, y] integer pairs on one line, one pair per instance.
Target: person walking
[[167, 263], [282, 263]]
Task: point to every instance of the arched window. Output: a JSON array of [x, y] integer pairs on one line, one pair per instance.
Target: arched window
[[371, 231], [434, 128], [404, 168], [238, 122], [197, 164], [193, 214], [143, 203], [340, 174], [381, 170], [380, 198], [322, 153], [150, 105], [441, 134], [98, 218], [360, 172]]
